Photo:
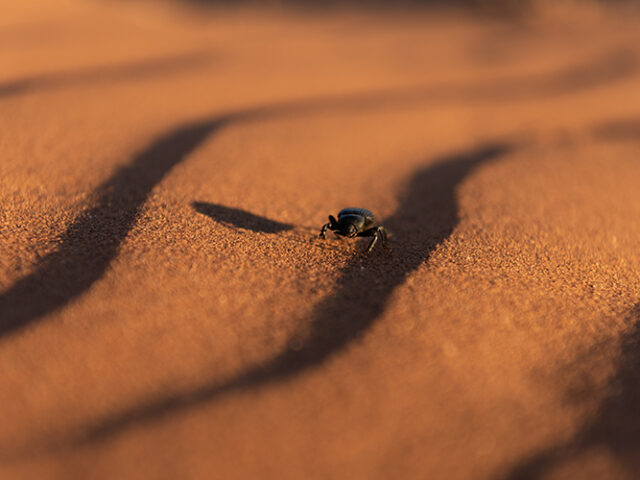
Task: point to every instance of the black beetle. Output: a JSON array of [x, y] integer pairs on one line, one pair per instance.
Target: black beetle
[[356, 222]]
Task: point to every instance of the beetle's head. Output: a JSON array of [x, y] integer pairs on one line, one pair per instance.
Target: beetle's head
[[348, 230]]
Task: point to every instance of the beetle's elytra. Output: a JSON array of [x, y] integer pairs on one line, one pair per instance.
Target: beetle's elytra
[[356, 222]]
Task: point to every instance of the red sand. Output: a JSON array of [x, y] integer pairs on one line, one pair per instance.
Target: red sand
[[167, 312]]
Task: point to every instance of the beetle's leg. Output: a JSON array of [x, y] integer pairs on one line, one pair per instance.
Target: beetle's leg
[[384, 235], [375, 232], [331, 225], [373, 242], [371, 232]]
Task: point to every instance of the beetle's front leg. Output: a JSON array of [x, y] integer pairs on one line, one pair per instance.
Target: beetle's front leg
[[323, 230]]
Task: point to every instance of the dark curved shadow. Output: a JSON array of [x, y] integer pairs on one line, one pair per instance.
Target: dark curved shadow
[[624, 129], [110, 73], [482, 8], [91, 242], [235, 217], [426, 215], [616, 65], [615, 425], [613, 66]]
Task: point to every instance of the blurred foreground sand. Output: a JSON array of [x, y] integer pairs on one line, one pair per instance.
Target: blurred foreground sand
[[166, 312]]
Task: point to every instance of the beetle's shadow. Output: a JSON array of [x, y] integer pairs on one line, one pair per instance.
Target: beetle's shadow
[[235, 217], [427, 215]]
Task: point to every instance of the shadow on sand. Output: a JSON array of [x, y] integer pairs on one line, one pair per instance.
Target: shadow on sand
[[91, 241], [111, 73], [426, 215], [614, 427], [623, 129], [616, 423], [234, 217]]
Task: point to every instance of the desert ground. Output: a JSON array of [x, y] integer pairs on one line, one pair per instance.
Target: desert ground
[[167, 309]]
